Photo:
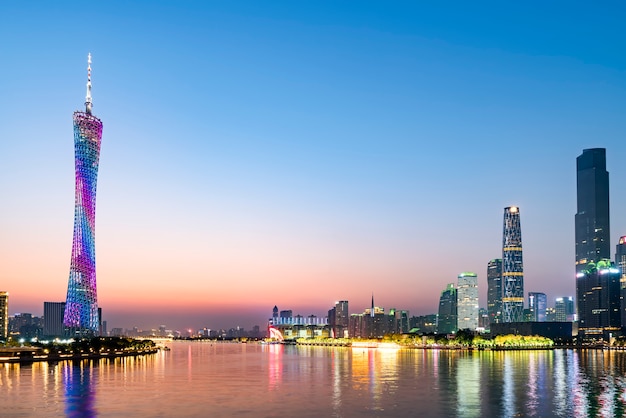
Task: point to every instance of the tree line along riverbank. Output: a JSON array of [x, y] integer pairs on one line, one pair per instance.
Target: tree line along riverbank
[[458, 341], [87, 348]]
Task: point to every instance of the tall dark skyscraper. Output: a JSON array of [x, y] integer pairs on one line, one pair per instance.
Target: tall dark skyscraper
[[598, 298], [4, 315], [620, 262], [447, 318], [494, 290], [53, 319], [512, 267], [592, 214]]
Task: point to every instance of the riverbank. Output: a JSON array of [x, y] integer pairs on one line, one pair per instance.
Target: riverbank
[[85, 349], [459, 342]]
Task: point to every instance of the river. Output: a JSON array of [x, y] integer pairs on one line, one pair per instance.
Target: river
[[198, 379]]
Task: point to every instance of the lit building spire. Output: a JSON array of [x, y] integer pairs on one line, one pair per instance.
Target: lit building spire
[[88, 102]]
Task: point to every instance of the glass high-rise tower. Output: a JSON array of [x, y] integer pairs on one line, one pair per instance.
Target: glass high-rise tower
[[467, 301], [81, 307], [512, 267], [447, 317], [494, 290], [592, 226]]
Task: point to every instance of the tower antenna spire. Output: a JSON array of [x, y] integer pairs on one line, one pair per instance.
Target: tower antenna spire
[[88, 102]]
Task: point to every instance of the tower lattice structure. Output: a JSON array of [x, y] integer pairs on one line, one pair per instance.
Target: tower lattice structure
[[512, 267], [81, 309]]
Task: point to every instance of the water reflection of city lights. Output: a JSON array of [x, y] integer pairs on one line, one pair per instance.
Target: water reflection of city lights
[[275, 368]]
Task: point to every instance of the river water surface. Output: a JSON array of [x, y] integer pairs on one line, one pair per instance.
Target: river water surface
[[198, 379]]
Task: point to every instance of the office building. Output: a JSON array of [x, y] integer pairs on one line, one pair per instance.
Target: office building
[[467, 301], [81, 308], [4, 315], [599, 300], [425, 324], [620, 263], [339, 319], [53, 319], [537, 305], [447, 317], [494, 290], [592, 229], [512, 267], [564, 309]]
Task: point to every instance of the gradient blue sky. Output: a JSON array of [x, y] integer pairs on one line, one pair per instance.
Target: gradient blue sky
[[298, 153]]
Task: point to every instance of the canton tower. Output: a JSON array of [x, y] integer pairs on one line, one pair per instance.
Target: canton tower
[[512, 267], [81, 306]]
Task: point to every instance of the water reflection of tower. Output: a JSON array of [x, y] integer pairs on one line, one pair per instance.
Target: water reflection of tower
[[81, 309], [79, 396]]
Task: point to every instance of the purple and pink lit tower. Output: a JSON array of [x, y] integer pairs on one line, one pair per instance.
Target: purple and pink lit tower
[[81, 307]]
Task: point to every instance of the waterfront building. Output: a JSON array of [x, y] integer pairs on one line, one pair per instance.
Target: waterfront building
[[551, 315], [467, 301], [81, 309], [564, 309], [372, 323], [4, 315], [537, 304], [339, 319], [399, 320], [297, 326], [447, 317], [342, 318], [25, 326], [483, 319], [620, 262], [553, 330], [592, 228], [424, 324], [494, 290], [512, 267], [598, 295]]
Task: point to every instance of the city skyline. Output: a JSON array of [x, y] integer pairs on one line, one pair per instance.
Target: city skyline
[[255, 149]]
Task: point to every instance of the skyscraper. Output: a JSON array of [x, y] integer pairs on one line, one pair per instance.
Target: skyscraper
[[447, 318], [512, 267], [341, 320], [620, 262], [599, 299], [564, 309], [81, 309], [53, 319], [537, 304], [4, 315], [592, 214], [494, 290], [467, 301]]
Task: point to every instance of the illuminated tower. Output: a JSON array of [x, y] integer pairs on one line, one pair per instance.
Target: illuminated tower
[[81, 309], [592, 204], [467, 301], [512, 267]]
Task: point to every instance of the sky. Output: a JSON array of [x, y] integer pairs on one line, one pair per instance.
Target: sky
[[299, 153]]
